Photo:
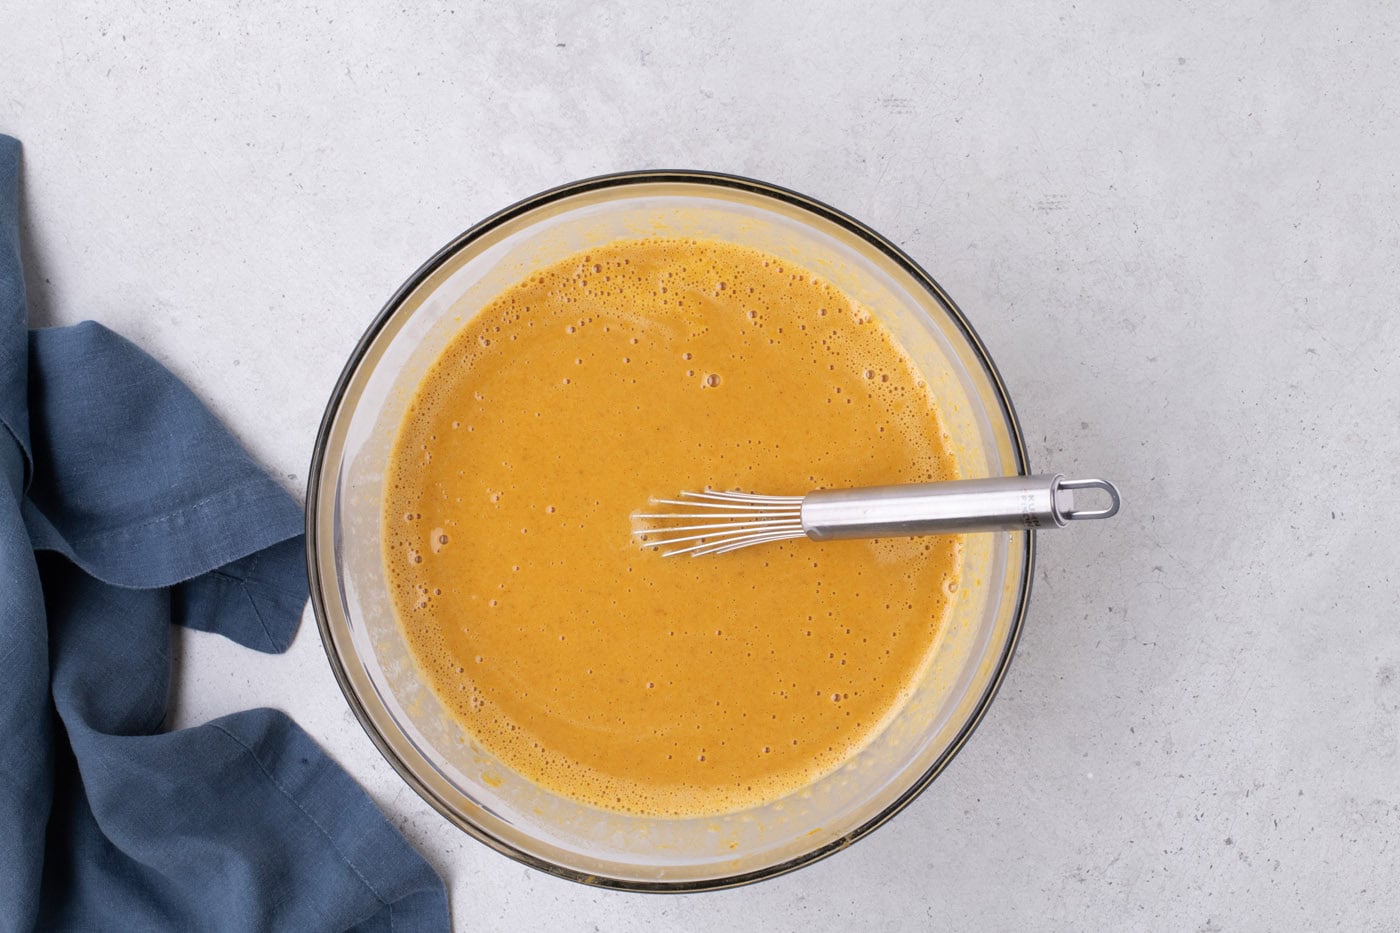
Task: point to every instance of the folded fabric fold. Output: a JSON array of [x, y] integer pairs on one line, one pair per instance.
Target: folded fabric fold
[[125, 507]]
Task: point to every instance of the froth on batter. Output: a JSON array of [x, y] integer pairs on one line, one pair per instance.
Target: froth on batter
[[613, 675]]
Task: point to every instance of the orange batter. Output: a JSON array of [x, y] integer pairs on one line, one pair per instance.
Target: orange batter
[[666, 686]]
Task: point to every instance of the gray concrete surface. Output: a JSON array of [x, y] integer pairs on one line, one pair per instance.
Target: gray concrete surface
[[1176, 225]]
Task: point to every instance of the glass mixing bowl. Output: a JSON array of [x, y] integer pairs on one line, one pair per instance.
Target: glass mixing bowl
[[372, 660]]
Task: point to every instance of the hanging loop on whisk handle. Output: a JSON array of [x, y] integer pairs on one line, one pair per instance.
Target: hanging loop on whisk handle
[[1004, 503]]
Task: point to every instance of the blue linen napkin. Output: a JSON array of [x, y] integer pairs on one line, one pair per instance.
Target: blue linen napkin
[[125, 506]]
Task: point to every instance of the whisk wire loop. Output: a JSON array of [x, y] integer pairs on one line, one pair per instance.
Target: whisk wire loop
[[748, 519]]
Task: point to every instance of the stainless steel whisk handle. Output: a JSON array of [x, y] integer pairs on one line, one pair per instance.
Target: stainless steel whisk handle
[[1006, 503]]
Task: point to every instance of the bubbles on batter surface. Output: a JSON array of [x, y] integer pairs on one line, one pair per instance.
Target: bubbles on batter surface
[[856, 366]]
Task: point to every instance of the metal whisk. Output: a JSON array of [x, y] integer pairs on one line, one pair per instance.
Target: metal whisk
[[713, 522]]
